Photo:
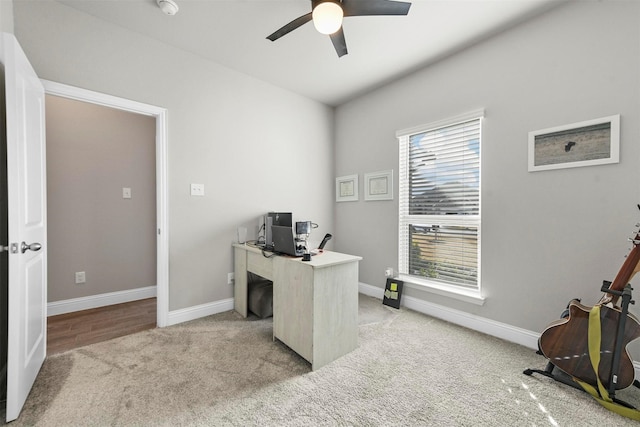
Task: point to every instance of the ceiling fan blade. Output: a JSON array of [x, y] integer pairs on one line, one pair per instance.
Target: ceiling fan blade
[[298, 22], [339, 43], [374, 7]]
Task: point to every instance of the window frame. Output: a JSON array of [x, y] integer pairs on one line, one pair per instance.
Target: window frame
[[468, 294]]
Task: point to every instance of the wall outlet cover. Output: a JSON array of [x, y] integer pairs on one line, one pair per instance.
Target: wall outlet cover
[[197, 189], [81, 277]]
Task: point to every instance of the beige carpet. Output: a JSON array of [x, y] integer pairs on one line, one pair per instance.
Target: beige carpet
[[409, 370]]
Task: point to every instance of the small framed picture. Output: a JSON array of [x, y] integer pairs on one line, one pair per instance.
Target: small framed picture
[[347, 188], [378, 185], [588, 143]]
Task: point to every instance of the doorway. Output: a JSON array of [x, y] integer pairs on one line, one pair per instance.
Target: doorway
[[161, 223], [101, 241], [162, 251]]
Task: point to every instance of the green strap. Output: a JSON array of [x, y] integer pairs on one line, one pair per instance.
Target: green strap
[[601, 394]]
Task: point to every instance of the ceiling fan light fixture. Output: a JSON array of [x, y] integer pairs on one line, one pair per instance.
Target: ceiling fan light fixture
[[327, 17], [169, 7]]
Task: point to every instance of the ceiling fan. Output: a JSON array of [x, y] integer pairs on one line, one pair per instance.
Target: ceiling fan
[[327, 17]]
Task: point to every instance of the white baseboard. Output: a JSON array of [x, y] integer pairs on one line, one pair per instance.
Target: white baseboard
[[470, 321], [372, 291], [487, 326], [101, 300], [197, 311]]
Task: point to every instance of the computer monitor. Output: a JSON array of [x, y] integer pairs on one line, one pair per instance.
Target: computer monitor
[[275, 218]]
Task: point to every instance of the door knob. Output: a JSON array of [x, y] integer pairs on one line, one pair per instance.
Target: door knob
[[32, 247]]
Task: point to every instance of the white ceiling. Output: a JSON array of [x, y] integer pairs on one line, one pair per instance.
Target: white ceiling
[[233, 33]]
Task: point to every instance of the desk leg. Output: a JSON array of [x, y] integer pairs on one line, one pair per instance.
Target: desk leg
[[240, 282]]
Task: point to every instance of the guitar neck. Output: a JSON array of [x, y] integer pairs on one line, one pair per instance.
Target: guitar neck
[[629, 268]]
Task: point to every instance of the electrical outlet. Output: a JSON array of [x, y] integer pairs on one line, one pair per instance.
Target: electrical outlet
[[230, 278], [197, 189], [126, 193], [81, 277]]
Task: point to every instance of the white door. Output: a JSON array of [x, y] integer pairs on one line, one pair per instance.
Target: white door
[[26, 179]]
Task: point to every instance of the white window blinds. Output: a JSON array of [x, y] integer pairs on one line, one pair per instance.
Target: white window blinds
[[439, 219]]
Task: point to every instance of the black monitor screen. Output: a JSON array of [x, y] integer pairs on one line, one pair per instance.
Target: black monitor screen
[[281, 218], [303, 227]]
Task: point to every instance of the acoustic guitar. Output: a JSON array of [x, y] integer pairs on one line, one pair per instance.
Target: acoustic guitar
[[565, 341]]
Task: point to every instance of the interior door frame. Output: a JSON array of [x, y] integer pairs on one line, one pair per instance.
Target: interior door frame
[[162, 211]]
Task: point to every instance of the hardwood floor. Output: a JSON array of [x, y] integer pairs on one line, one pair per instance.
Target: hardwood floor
[[72, 330]]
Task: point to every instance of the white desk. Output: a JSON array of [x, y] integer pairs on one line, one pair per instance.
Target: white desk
[[315, 303]]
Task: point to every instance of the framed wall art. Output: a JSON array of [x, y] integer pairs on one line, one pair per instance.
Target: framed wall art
[[347, 188], [378, 185], [588, 143]]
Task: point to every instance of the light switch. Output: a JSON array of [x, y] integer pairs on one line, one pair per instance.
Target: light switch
[[197, 189], [126, 193]]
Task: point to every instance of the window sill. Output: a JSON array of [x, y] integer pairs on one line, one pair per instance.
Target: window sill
[[467, 295]]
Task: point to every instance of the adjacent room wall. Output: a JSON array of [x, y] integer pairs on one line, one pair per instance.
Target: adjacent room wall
[[547, 237], [254, 146], [93, 152]]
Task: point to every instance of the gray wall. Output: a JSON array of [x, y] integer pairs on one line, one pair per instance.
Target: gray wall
[[92, 153], [547, 237], [240, 137], [6, 16]]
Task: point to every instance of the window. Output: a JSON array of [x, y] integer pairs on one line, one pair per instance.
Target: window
[[439, 218]]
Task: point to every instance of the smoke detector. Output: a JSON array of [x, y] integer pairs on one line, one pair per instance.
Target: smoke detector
[[169, 7]]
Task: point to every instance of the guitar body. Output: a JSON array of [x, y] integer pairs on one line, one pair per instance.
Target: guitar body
[[565, 343]]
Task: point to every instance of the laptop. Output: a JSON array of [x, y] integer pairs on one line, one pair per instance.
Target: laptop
[[283, 241]]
